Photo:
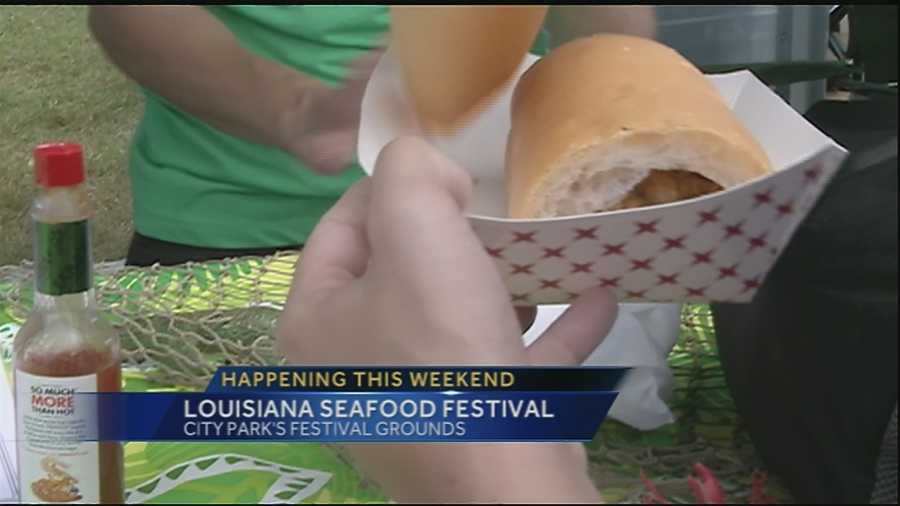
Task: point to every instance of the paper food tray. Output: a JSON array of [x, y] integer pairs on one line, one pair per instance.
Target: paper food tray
[[715, 248]]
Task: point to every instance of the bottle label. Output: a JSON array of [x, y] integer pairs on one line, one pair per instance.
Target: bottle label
[[55, 463], [63, 257]]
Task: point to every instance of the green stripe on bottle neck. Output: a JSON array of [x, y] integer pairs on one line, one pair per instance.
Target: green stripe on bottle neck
[[62, 254]]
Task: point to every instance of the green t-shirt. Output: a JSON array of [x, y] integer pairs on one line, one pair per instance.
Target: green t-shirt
[[193, 184]]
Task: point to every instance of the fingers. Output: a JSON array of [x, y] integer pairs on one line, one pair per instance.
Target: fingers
[[326, 138], [335, 254], [419, 233], [337, 251], [361, 69], [330, 146], [578, 332], [330, 153]]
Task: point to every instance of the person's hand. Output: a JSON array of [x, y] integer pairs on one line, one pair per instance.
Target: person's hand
[[322, 129], [394, 275], [398, 253]]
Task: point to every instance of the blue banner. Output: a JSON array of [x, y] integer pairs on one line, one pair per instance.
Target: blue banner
[[342, 417], [344, 405]]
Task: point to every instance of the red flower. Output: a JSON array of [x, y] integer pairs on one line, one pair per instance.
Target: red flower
[[706, 488]]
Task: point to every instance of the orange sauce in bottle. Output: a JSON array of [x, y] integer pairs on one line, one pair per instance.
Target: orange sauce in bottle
[[64, 348], [106, 366]]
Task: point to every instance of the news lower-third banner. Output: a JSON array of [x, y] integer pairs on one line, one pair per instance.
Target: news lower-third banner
[[343, 405]]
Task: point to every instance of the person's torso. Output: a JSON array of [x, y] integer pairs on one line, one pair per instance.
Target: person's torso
[[193, 184]]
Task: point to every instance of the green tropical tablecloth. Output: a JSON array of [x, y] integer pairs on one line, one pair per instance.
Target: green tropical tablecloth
[[179, 323]]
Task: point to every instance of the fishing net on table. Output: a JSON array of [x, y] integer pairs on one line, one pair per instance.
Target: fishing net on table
[[178, 324]]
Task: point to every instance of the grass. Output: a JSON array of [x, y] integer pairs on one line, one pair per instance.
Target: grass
[[55, 84]]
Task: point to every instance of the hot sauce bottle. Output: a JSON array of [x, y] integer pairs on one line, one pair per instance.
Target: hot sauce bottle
[[64, 348]]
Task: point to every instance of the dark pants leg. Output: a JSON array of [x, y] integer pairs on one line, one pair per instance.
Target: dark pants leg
[[812, 361], [145, 251]]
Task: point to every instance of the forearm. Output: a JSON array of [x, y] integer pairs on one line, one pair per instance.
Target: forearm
[[188, 57]]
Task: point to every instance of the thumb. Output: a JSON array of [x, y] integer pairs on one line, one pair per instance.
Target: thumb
[[418, 198], [578, 332]]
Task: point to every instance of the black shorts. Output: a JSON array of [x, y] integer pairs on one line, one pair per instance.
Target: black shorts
[[145, 251]]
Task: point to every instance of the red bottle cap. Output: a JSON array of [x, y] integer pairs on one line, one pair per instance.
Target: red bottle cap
[[59, 164]]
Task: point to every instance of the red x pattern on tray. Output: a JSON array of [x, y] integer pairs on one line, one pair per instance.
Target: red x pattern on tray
[[718, 248]]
